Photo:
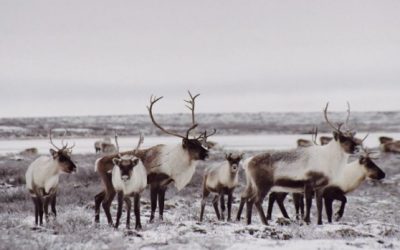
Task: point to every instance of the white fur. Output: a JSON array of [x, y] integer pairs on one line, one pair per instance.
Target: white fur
[[175, 162], [96, 165], [136, 183], [221, 174], [328, 159], [42, 173], [350, 177]]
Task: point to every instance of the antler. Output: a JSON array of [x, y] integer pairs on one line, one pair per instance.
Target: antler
[[327, 120], [140, 142], [363, 139], [348, 115], [204, 135], [153, 100], [368, 152], [64, 147], [51, 140], [116, 141], [191, 105], [314, 135]]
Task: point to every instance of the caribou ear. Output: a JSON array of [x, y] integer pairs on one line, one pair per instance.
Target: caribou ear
[[53, 153], [226, 156], [241, 155], [116, 161], [335, 135]]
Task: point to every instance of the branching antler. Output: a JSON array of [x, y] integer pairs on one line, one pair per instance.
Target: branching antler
[[191, 105], [327, 120], [340, 124], [368, 153], [51, 140], [203, 136], [153, 100], [64, 147]]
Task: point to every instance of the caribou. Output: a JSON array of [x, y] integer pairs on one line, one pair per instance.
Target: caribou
[[129, 177], [389, 145], [164, 164], [222, 180], [42, 177], [349, 178], [298, 170]]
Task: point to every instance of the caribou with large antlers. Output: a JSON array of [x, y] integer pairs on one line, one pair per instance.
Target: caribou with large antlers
[[298, 170], [42, 178], [164, 164]]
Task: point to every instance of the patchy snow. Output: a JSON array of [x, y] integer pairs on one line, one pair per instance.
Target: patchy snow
[[11, 129], [371, 219]]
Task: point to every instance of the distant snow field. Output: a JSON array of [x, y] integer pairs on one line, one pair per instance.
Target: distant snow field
[[228, 142]]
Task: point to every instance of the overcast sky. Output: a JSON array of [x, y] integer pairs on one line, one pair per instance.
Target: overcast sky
[[107, 57]]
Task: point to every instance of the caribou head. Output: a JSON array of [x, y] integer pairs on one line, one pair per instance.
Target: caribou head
[[345, 137], [196, 146], [62, 155], [126, 162]]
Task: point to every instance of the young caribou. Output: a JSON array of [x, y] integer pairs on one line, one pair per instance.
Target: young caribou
[[221, 179], [308, 168], [164, 164], [129, 177], [42, 178]]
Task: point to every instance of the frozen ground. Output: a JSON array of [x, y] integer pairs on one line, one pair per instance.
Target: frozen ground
[[371, 220]]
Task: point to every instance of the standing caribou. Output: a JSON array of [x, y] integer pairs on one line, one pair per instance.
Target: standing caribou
[[347, 179], [42, 178], [127, 177], [221, 180], [164, 163], [298, 170]]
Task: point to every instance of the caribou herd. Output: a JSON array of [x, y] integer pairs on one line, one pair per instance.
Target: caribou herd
[[311, 170]]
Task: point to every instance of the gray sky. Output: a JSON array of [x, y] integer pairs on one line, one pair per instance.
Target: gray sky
[[107, 57]]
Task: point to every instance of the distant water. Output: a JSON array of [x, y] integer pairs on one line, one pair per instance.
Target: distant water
[[229, 142]]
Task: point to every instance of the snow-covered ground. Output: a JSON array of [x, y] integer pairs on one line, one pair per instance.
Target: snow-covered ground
[[371, 219]]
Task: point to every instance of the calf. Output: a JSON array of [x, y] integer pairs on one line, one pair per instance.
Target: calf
[[129, 177], [221, 180]]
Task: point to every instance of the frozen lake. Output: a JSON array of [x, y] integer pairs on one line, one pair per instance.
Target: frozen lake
[[230, 142]]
